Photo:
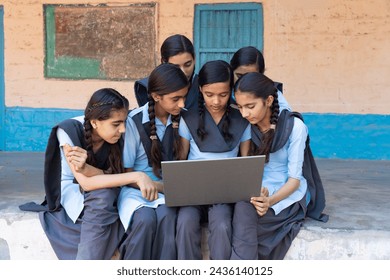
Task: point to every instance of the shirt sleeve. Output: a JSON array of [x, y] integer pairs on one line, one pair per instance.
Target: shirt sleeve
[[296, 149], [183, 130], [283, 104], [63, 137], [131, 143]]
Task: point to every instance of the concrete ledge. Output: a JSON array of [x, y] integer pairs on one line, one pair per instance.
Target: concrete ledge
[[357, 202], [25, 239], [22, 238]]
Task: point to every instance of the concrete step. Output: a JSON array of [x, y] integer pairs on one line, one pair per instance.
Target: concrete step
[[357, 194], [22, 238]]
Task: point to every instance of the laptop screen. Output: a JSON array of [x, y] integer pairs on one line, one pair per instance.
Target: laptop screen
[[212, 181]]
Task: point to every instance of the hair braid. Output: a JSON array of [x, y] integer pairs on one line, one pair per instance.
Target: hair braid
[[155, 150], [201, 126], [226, 124], [88, 141], [268, 136], [177, 142]]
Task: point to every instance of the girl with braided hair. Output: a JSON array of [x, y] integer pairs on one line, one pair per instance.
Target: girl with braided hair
[[250, 59], [213, 130], [265, 227], [151, 137], [82, 220]]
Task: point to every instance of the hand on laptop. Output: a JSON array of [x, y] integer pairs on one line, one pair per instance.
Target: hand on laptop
[[261, 203]]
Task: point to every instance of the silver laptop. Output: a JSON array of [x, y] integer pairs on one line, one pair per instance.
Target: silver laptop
[[201, 182]]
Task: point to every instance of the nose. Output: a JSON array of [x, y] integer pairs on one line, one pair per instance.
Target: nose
[[122, 128], [181, 103], [244, 113], [216, 100]]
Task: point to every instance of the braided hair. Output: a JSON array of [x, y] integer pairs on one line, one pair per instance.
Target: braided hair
[[261, 86], [100, 106], [217, 71], [164, 79]]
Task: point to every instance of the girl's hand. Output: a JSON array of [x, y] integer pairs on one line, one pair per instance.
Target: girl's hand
[[147, 187], [261, 203], [76, 156]]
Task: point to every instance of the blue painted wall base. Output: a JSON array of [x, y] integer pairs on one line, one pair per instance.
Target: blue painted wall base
[[343, 136], [28, 129]]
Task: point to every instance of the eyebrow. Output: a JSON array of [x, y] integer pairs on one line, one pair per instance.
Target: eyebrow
[[118, 121]]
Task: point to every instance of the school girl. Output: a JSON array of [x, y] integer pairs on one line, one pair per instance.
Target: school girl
[[178, 50], [265, 227], [85, 224], [213, 130], [250, 59], [152, 136]]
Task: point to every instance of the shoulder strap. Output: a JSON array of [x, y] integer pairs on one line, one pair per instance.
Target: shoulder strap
[[144, 132]]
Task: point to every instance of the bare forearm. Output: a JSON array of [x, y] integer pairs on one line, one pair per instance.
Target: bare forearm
[[107, 180], [287, 189], [90, 171]]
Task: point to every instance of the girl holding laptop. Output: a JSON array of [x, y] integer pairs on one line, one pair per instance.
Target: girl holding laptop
[[213, 130], [265, 227]]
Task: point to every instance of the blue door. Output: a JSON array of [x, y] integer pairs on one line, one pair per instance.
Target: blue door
[[2, 105], [221, 29]]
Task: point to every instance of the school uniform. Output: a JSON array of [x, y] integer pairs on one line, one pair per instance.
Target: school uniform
[[188, 235], [150, 225], [270, 236], [141, 92], [78, 225], [283, 104]]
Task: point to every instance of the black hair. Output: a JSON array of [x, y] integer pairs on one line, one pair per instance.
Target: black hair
[[261, 86], [164, 79], [100, 107], [216, 71], [174, 45], [248, 56]]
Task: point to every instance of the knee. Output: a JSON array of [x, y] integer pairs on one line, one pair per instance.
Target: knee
[[220, 214], [244, 209], [166, 214], [104, 199], [244, 213], [144, 217], [188, 219]]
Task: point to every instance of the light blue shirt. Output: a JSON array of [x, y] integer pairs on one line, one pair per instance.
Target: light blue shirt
[[135, 157], [285, 163], [195, 153], [283, 104], [71, 198]]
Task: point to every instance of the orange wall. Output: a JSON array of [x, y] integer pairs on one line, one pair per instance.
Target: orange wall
[[332, 56]]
